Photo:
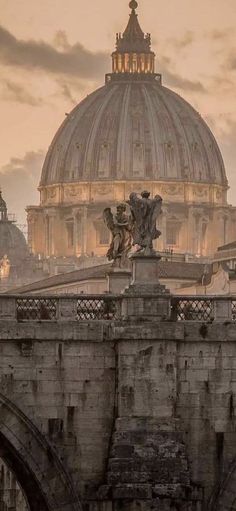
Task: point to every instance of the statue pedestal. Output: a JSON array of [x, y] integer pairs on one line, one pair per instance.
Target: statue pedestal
[[145, 270], [118, 280], [146, 299]]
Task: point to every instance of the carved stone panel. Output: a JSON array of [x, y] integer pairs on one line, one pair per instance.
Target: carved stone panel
[[201, 193], [73, 193], [52, 195], [102, 191], [172, 190]]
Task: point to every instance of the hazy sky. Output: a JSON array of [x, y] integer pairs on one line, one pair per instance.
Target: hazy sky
[[54, 52]]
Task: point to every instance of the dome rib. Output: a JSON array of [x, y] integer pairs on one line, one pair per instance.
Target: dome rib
[[171, 138], [122, 134], [93, 132], [157, 156], [180, 135]]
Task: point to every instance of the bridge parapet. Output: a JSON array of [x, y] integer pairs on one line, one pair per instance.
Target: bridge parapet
[[203, 308], [109, 308]]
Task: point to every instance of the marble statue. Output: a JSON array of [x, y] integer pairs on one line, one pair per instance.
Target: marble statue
[[145, 212], [120, 226]]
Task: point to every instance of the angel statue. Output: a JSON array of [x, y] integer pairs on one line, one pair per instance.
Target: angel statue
[[145, 212], [120, 226]]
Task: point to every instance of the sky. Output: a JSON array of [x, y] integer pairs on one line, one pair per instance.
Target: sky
[[55, 52]]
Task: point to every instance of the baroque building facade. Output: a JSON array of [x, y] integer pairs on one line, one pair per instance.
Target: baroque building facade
[[132, 134]]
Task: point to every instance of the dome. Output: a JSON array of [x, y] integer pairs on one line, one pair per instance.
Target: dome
[[12, 243], [130, 135], [134, 129]]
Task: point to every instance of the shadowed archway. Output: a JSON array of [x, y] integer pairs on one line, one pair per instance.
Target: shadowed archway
[[40, 472]]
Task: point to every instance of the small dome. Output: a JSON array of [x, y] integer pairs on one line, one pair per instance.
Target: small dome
[[129, 130], [3, 208], [3, 205], [12, 243]]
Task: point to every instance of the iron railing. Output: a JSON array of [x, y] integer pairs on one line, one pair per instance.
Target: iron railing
[[233, 309], [36, 309], [203, 308], [79, 308], [109, 308], [192, 309], [94, 308]]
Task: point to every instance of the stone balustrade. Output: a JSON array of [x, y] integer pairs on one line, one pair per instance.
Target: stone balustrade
[[109, 308]]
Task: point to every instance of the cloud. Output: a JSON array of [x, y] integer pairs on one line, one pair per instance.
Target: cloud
[[67, 93], [11, 91], [181, 43], [74, 60], [61, 41], [221, 34], [222, 43], [230, 63], [70, 89], [225, 129], [19, 180], [173, 79]]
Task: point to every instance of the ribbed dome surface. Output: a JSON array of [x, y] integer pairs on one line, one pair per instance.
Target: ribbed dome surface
[[134, 130], [12, 243]]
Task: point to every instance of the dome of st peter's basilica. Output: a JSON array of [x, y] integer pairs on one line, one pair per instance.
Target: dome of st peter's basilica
[[132, 133]]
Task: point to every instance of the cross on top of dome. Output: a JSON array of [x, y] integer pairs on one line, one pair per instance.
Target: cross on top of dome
[[133, 5]]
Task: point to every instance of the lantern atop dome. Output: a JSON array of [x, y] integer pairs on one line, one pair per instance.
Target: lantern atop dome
[[133, 54]]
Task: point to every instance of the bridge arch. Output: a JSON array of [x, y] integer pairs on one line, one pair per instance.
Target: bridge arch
[[40, 472]]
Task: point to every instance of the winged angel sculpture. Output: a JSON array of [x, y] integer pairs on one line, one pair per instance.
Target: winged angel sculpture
[[120, 226], [145, 212]]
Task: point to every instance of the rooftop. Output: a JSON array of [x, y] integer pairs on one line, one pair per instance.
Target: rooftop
[[168, 270]]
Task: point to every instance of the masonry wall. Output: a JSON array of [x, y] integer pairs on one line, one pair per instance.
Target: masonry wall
[[191, 381], [140, 415]]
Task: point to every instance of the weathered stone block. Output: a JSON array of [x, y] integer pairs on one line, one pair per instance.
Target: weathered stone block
[[132, 491]]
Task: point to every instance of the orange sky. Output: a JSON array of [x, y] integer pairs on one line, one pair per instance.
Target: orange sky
[[54, 52]]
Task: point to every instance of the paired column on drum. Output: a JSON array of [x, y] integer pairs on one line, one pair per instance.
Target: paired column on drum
[[197, 231], [50, 221], [80, 216], [163, 228]]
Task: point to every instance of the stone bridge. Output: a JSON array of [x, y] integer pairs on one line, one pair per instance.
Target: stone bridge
[[102, 412]]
